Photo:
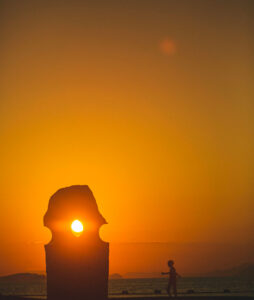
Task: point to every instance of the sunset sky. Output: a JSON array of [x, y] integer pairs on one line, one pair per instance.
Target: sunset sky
[[150, 103]]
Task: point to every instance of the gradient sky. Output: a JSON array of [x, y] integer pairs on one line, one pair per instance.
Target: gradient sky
[[149, 102]]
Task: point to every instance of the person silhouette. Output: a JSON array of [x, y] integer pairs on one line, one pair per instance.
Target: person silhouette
[[173, 275]]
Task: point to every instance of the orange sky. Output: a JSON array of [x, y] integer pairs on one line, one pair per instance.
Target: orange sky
[[150, 103]]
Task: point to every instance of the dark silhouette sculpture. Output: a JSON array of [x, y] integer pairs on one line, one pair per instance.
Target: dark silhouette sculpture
[[77, 266]]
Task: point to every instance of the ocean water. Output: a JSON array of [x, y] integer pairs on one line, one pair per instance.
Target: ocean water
[[146, 286]]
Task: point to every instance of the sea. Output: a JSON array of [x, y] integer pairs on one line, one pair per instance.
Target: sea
[[187, 286]]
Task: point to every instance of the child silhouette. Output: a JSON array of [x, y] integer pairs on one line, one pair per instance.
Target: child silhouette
[[172, 278]]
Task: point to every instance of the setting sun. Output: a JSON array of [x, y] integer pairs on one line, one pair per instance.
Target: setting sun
[[77, 226]]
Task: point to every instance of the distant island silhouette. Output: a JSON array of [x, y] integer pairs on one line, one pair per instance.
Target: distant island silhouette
[[22, 277], [115, 276], [243, 270]]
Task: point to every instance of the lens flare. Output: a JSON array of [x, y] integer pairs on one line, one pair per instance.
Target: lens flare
[[77, 227]]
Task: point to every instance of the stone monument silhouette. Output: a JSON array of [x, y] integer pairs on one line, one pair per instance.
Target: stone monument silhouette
[[76, 263]]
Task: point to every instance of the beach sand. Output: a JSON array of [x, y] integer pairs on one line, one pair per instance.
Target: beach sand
[[155, 298]]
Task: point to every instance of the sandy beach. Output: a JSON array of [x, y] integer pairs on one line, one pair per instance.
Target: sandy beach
[[156, 298]]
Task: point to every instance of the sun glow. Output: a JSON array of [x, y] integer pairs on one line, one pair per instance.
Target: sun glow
[[77, 227]]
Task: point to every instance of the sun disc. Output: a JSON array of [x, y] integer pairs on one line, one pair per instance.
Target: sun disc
[[77, 226]]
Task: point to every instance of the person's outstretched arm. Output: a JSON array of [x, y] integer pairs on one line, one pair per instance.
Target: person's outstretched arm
[[164, 273]]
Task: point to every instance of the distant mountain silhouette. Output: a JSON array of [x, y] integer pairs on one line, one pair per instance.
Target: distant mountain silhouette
[[244, 270], [115, 276], [22, 277], [142, 275]]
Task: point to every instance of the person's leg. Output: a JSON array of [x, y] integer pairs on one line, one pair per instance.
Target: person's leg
[[175, 288], [169, 289]]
